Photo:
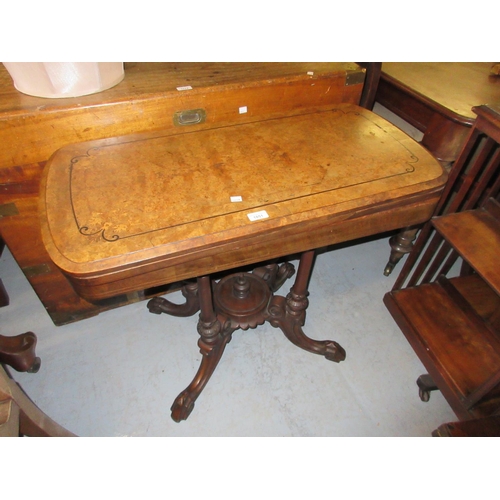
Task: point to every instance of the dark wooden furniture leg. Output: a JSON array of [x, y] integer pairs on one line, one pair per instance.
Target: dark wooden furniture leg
[[373, 72], [19, 416], [191, 306], [19, 352], [401, 244], [290, 314], [214, 335]]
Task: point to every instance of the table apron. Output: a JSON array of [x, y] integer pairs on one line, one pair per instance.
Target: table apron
[[271, 245]]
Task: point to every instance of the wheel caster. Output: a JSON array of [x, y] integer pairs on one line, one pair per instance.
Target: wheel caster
[[424, 395], [425, 386]]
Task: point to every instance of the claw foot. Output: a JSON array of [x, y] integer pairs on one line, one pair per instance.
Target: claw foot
[[182, 407], [159, 305], [154, 305], [335, 352]]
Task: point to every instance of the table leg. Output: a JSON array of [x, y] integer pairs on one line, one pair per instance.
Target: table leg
[[274, 274], [289, 314], [158, 305], [401, 244], [18, 351], [214, 335]]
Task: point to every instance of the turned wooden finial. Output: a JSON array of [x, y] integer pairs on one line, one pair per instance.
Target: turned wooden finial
[[241, 286]]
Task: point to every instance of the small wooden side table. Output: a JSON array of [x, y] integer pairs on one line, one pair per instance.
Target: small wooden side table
[[437, 99], [220, 208]]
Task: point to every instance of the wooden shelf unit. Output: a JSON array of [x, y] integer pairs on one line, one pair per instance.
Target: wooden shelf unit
[[453, 324], [475, 235]]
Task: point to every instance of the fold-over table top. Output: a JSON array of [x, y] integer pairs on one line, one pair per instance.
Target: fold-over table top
[[108, 204]]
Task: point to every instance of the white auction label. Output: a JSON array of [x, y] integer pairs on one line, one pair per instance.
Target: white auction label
[[236, 199], [187, 87], [258, 215]]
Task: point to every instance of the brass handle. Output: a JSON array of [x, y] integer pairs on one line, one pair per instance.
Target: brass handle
[[189, 117]]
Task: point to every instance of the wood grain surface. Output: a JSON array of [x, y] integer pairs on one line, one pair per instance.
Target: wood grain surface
[[32, 128], [156, 210]]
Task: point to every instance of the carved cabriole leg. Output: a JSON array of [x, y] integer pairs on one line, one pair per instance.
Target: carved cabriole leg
[[214, 335], [275, 275], [289, 314], [159, 305], [401, 244]]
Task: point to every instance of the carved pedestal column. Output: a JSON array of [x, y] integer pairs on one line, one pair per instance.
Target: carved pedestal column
[[242, 301]]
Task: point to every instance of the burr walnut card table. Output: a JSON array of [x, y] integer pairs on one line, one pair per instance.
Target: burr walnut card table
[[220, 208]]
